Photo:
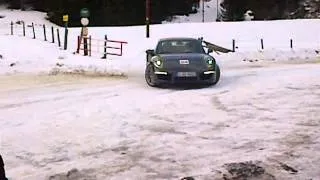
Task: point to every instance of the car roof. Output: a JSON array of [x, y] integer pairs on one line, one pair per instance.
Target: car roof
[[177, 38]]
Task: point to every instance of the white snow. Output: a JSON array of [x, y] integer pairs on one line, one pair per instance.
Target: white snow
[[119, 128]]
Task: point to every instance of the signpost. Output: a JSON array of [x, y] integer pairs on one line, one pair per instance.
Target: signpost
[[202, 10], [217, 9], [84, 14], [65, 19], [147, 18]]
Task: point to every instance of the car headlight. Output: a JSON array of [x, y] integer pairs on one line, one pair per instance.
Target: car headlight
[[210, 60], [157, 61]]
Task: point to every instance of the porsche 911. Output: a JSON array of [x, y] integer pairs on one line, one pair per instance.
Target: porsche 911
[[180, 60]]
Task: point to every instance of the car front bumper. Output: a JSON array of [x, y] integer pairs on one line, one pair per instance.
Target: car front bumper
[[204, 77]]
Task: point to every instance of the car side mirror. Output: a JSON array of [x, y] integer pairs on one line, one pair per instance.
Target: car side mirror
[[210, 51], [150, 52]]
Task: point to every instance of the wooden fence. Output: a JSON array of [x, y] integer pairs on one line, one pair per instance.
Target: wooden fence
[[20, 28], [103, 47], [107, 47], [262, 44]]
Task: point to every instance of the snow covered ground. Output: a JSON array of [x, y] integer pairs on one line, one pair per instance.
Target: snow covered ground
[[122, 129], [116, 127]]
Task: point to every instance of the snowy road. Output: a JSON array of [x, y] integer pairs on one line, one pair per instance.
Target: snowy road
[[122, 129]]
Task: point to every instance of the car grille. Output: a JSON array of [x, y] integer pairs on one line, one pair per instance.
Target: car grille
[[173, 65]]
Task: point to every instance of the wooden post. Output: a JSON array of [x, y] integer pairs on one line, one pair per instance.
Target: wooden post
[[65, 42], [89, 45], [52, 34], [34, 33], [291, 43], [105, 47], [24, 28], [262, 45], [78, 45], [120, 49], [11, 27], [233, 45], [44, 32], [85, 45], [58, 37]]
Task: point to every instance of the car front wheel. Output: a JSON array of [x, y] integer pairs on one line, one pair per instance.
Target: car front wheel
[[150, 76]]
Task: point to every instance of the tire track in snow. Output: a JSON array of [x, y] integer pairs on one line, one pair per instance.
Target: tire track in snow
[[144, 130]]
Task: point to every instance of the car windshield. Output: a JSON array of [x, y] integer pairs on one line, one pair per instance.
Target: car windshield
[[179, 46]]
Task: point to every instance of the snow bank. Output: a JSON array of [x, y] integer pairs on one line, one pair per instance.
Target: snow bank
[[23, 55]]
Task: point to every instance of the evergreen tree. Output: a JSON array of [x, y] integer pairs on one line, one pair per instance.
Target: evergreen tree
[[132, 12], [233, 10]]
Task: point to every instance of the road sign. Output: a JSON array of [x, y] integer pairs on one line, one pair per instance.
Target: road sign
[[84, 13], [84, 21], [65, 18], [85, 31]]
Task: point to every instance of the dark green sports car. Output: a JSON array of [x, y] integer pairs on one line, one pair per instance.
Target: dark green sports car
[[180, 60]]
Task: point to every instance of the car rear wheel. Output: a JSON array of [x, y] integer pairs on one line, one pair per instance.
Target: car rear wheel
[[150, 76]]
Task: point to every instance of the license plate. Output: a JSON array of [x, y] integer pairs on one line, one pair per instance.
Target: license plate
[[184, 61], [186, 74]]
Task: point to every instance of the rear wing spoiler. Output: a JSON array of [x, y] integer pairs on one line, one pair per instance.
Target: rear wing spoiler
[[214, 47]]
